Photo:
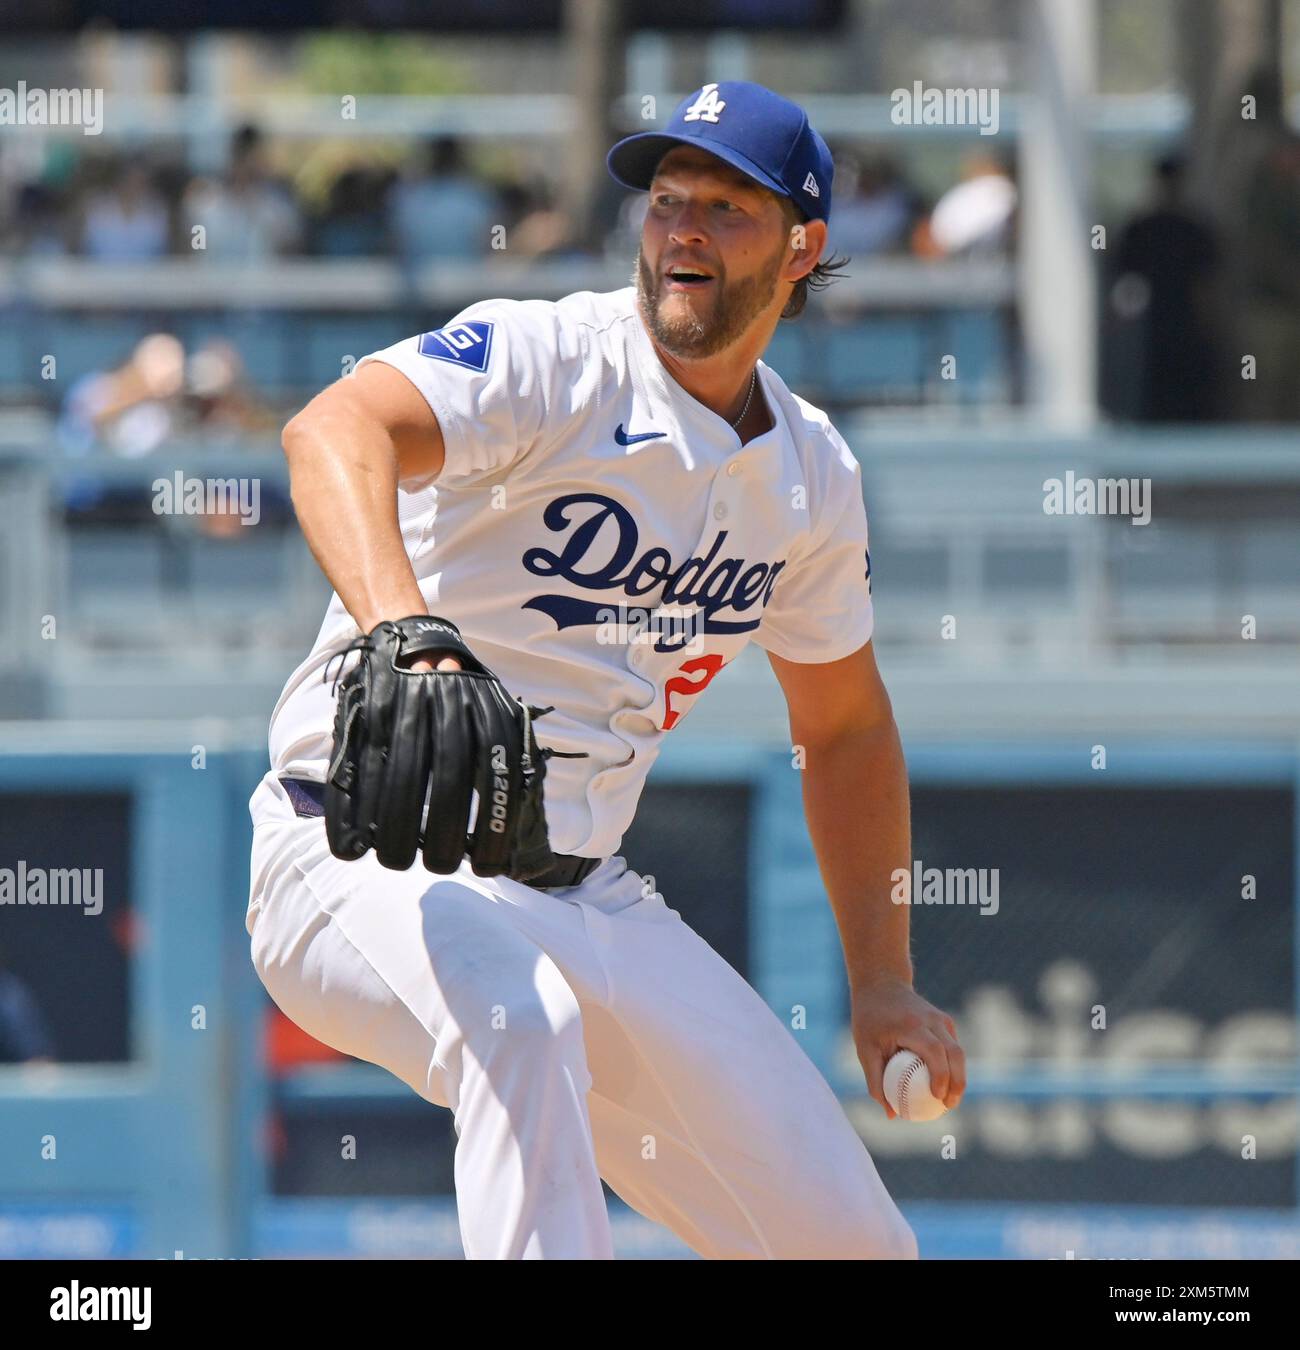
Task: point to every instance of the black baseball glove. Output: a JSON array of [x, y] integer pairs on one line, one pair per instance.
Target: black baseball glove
[[404, 738]]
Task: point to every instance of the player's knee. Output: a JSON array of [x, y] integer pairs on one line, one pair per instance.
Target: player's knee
[[538, 1020], [540, 1028]]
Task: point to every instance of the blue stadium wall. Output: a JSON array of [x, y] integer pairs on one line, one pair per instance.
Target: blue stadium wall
[[1118, 889]]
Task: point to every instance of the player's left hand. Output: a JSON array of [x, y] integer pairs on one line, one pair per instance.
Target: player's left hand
[[888, 1016]]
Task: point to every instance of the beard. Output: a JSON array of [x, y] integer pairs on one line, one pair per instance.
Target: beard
[[735, 306]]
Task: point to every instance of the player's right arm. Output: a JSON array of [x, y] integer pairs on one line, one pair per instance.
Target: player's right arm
[[347, 450]]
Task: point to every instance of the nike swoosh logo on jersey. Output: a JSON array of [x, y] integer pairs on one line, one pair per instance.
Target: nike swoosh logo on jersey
[[623, 438]]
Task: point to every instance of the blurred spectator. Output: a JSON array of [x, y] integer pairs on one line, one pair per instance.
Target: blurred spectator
[[546, 232], [24, 1035], [976, 217], [126, 221], [517, 200], [1162, 305], [441, 210], [159, 392], [354, 223], [247, 216], [1271, 254], [874, 207], [130, 410], [41, 228], [542, 229], [156, 395], [218, 399]]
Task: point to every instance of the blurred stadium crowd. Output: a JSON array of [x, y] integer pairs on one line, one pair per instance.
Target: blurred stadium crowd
[[439, 205], [1171, 282]]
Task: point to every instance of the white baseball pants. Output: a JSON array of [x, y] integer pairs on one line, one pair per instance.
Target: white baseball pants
[[575, 1034]]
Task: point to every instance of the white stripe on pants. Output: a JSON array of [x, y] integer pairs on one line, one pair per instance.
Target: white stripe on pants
[[575, 1034]]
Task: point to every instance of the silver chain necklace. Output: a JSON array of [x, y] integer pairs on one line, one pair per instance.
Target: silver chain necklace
[[753, 382]]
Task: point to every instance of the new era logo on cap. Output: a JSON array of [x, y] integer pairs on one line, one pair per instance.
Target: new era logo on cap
[[747, 126]]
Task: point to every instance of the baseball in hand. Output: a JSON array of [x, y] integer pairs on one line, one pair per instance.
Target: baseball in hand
[[907, 1088]]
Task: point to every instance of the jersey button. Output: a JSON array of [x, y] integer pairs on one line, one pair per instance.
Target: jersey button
[[733, 469], [720, 511]]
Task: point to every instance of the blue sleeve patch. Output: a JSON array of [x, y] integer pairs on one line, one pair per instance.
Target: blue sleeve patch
[[463, 344]]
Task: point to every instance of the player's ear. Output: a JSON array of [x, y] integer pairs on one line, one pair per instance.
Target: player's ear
[[807, 244]]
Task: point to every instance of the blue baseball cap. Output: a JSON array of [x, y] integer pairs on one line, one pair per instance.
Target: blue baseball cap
[[749, 127]]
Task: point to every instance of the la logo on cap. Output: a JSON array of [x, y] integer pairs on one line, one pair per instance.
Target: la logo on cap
[[706, 107]]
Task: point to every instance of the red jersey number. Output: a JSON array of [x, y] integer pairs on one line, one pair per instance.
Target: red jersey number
[[706, 666]]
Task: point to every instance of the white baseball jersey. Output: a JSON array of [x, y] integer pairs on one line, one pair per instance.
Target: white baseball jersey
[[604, 543]]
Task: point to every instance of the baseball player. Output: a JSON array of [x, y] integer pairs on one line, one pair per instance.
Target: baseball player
[[549, 527]]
